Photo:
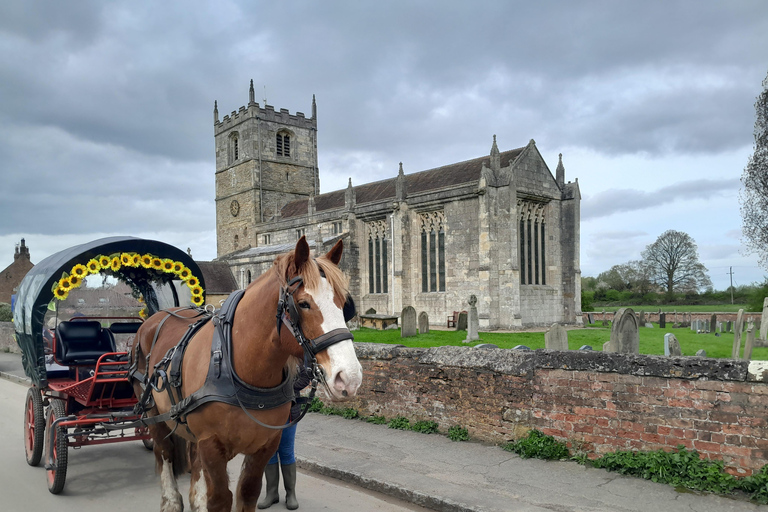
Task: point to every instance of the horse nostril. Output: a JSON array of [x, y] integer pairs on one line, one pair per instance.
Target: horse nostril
[[344, 393]]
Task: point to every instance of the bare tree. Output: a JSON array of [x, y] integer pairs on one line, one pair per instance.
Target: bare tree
[[754, 194], [672, 262]]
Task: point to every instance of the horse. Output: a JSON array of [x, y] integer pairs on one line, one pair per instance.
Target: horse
[[263, 354]]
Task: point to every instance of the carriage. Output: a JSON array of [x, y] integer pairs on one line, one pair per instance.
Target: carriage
[[75, 354]]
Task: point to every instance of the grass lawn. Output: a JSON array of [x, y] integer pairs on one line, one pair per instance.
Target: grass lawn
[[651, 340], [699, 308]]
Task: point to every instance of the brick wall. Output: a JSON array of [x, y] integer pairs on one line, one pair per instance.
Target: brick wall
[[596, 402]]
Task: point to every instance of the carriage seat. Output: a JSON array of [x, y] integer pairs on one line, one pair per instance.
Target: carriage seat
[[82, 342]]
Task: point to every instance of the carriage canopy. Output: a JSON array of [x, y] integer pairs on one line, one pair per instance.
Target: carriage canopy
[[146, 265]]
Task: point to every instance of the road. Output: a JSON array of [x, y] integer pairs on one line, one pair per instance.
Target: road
[[121, 477]]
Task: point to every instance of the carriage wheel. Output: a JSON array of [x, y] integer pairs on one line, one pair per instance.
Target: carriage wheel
[[58, 475], [34, 426]]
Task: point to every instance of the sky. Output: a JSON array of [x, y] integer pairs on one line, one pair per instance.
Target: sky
[[106, 108]]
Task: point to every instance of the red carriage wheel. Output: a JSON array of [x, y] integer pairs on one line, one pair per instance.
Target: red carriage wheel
[[57, 466], [34, 426]]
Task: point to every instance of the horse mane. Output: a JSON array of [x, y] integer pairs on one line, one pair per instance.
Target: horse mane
[[285, 268]]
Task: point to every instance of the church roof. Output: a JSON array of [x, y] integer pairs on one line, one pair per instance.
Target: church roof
[[441, 177], [217, 276]]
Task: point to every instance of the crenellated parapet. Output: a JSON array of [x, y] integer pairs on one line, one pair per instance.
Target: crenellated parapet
[[266, 113]]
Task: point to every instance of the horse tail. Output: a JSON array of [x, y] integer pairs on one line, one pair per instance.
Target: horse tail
[[180, 454]]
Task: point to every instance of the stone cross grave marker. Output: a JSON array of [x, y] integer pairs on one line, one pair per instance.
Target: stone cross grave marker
[[671, 345], [473, 323], [556, 338], [625, 336], [764, 320], [750, 343], [408, 318], [738, 327], [423, 323]]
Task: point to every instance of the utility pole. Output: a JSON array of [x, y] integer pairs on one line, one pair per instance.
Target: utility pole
[[731, 274]]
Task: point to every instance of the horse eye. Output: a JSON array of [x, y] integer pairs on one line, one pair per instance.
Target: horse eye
[[304, 304]]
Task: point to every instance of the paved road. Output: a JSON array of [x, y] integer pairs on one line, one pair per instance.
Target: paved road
[[121, 477]]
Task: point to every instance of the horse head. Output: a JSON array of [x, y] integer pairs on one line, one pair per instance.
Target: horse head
[[315, 295]]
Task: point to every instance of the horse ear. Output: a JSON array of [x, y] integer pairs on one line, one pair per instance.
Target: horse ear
[[334, 255], [301, 253]]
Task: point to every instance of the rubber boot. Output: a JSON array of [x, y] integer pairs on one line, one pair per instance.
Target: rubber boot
[[271, 495], [289, 481]]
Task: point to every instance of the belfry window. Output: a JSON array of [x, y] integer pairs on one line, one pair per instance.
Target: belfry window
[[234, 147], [378, 267], [531, 236], [432, 252], [283, 143]]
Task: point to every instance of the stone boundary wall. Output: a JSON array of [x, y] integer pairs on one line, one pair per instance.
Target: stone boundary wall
[[597, 402], [7, 339], [653, 316]]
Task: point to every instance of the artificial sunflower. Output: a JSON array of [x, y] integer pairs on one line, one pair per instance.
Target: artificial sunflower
[[93, 266], [80, 271], [192, 281], [104, 261], [135, 260], [177, 266], [60, 293], [197, 300], [197, 291], [64, 284], [75, 281], [185, 273], [114, 265], [125, 259], [143, 313], [167, 265], [157, 263], [146, 261]]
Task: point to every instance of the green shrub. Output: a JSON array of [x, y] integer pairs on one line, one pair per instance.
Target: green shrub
[[757, 485], [457, 433], [679, 468], [425, 427], [6, 315], [350, 413], [400, 423], [538, 445], [756, 296], [376, 420], [316, 405]]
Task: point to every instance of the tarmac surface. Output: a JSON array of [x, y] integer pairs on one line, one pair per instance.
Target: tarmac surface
[[433, 472]]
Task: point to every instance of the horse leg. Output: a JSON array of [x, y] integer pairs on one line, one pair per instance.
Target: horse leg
[[209, 488], [249, 485], [166, 455]]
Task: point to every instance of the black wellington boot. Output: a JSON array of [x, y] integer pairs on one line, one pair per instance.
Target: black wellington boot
[[289, 481], [271, 496]]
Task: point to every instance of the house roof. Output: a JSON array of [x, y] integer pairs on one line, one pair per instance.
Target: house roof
[[424, 181], [218, 277]]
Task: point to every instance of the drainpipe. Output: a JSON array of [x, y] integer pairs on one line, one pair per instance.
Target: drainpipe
[[261, 172]]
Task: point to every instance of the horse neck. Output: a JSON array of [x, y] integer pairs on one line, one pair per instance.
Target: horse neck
[[257, 354]]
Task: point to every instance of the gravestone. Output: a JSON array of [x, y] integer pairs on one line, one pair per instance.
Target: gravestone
[[749, 344], [423, 323], [606, 323], [671, 345], [521, 347], [728, 326], [648, 325], [556, 338], [473, 323], [701, 353], [625, 337], [713, 323], [738, 327], [590, 318], [641, 318], [586, 347], [662, 320], [486, 345], [675, 317], [764, 320], [461, 324], [408, 318]]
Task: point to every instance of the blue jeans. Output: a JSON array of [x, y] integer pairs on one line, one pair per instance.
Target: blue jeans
[[285, 450]]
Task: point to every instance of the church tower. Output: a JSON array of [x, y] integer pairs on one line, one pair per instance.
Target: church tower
[[264, 160]]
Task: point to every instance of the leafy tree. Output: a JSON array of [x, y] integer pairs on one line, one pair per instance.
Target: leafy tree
[[633, 275], [5, 312], [754, 194], [672, 262]]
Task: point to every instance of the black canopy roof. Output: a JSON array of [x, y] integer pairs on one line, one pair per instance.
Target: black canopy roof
[[36, 290]]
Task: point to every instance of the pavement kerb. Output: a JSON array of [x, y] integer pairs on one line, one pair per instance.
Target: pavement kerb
[[25, 381], [396, 491]]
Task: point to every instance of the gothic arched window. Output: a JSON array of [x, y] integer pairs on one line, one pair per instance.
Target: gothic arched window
[[378, 267], [432, 251], [531, 236], [283, 144]]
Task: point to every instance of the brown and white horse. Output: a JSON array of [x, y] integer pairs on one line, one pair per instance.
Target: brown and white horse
[[218, 431]]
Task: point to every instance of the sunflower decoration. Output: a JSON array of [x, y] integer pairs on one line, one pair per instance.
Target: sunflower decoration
[[126, 260], [197, 296], [74, 281], [157, 263], [60, 293], [64, 284], [184, 274], [177, 267], [115, 264], [143, 313], [135, 260], [93, 266], [146, 261], [168, 265], [80, 271], [104, 261], [192, 281]]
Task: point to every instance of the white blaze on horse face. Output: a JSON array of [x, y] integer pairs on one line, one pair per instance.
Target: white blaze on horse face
[[346, 374]]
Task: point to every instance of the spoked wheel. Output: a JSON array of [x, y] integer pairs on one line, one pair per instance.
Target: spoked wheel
[[57, 465], [34, 426]]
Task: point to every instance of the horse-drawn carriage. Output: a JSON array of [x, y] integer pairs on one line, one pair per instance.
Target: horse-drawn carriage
[[81, 393]]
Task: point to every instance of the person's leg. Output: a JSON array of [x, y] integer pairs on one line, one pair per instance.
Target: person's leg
[[272, 474], [288, 467]]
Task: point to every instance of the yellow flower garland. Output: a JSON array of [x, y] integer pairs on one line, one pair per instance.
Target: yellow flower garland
[[114, 262]]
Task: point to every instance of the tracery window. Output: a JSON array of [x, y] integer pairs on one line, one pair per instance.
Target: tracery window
[[378, 266], [532, 233], [432, 251], [283, 144]]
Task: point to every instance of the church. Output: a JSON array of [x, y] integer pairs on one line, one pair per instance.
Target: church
[[500, 226]]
